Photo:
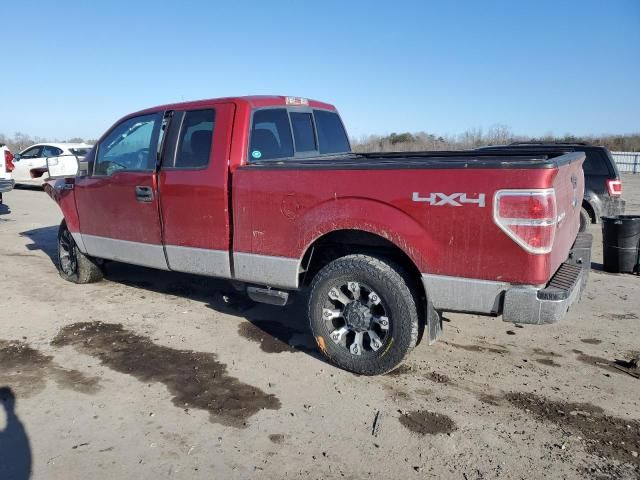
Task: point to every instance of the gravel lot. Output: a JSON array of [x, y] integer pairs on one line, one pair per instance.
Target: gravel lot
[[153, 375]]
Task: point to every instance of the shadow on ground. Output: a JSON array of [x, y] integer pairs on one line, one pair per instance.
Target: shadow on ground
[[45, 239], [276, 329], [15, 450]]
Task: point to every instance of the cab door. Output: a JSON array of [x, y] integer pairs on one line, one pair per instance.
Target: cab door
[[193, 190], [117, 201]]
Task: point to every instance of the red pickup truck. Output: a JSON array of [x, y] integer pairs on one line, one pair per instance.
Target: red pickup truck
[[265, 190]]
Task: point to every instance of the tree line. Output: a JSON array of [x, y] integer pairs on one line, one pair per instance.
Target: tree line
[[410, 142], [474, 138]]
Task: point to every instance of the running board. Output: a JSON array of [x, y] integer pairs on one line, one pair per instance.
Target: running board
[[268, 295]]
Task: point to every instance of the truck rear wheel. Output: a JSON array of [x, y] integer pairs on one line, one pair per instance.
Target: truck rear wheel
[[585, 219], [363, 314], [73, 265]]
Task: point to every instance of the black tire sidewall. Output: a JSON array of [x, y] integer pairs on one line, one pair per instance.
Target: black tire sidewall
[[69, 277], [585, 219], [396, 297], [87, 269]]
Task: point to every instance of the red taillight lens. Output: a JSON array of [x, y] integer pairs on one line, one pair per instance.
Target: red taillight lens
[[528, 217], [535, 207], [614, 187], [8, 161]]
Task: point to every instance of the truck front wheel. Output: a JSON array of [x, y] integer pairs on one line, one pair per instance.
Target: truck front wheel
[[73, 265], [363, 314]]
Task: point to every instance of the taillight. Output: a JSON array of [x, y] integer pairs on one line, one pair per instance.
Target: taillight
[[528, 217], [614, 188], [8, 161]]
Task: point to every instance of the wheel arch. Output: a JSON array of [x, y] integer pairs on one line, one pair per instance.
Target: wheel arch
[[346, 241], [66, 200]]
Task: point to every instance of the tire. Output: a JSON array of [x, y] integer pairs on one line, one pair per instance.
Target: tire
[[376, 280], [585, 219], [73, 265]]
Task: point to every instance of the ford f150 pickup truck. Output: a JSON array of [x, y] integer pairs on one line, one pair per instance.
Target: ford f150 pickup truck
[[266, 191]]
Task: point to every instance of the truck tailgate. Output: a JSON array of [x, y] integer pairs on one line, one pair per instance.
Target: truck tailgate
[[569, 187]]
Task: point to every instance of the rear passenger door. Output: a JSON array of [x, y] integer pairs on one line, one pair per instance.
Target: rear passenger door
[[193, 190]]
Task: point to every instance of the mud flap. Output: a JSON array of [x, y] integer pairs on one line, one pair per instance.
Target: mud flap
[[434, 324]]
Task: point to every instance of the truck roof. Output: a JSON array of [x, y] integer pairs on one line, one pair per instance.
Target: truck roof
[[253, 101]]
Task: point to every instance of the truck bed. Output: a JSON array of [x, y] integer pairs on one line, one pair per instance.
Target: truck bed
[[428, 160]]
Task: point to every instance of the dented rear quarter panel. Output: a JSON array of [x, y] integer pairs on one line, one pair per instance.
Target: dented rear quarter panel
[[281, 212]]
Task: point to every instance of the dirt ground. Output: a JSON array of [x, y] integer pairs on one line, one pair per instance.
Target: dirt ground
[[153, 375]]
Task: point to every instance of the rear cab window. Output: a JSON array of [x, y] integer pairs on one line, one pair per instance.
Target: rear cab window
[[295, 133], [271, 135], [331, 134]]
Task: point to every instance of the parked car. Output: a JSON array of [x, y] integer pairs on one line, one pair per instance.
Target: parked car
[[31, 163], [6, 167], [265, 191], [603, 185]]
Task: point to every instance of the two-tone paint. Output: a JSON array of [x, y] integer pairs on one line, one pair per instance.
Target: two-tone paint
[[255, 221]]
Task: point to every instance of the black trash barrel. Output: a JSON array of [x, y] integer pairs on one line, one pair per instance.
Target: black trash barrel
[[621, 243]]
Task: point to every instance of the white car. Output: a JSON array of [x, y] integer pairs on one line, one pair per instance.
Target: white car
[[6, 166], [31, 163]]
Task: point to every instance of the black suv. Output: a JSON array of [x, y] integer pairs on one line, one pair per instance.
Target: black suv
[[603, 186]]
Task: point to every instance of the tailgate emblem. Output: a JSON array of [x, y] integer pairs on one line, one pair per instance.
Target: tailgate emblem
[[454, 199]]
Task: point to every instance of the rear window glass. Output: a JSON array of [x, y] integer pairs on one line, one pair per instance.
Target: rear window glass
[[595, 163], [303, 134], [196, 135], [331, 134], [271, 135], [49, 151]]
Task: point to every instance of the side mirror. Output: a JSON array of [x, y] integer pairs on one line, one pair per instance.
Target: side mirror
[[16, 157], [63, 166]]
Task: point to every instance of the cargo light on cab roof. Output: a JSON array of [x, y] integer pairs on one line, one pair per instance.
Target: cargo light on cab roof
[[296, 101]]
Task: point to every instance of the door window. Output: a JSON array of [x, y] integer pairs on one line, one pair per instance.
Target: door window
[[129, 146], [33, 152], [196, 135]]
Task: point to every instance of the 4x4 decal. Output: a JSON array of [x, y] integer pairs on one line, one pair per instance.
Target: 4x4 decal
[[453, 200]]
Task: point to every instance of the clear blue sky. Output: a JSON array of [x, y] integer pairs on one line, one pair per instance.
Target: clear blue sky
[[537, 66]]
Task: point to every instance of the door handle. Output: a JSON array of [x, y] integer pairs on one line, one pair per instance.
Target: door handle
[[144, 194]]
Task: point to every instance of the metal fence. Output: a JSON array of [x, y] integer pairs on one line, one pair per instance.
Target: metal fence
[[628, 162]]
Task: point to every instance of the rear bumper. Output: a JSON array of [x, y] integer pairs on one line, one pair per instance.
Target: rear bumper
[[526, 304], [517, 303], [6, 185]]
